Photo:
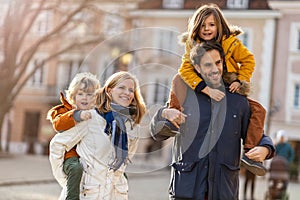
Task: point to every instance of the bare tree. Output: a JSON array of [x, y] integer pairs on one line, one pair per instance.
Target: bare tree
[[16, 33]]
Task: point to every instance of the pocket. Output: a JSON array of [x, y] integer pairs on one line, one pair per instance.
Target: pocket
[[90, 192], [122, 186], [183, 179], [229, 182]]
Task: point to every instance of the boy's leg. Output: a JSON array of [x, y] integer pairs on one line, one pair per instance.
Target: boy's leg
[[254, 135], [73, 169]]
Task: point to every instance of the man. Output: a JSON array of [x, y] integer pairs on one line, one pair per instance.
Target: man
[[206, 152]]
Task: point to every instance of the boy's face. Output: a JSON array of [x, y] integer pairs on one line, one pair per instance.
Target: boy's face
[[84, 100], [211, 68]]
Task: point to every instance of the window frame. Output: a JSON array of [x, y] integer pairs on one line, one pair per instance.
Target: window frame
[[238, 4]]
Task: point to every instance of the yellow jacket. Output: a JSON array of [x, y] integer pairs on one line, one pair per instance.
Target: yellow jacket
[[237, 57]]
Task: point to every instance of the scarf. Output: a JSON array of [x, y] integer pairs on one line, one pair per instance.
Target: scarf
[[115, 125]]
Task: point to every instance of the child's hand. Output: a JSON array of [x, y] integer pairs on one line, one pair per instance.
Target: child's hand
[[215, 94], [234, 87], [85, 115], [258, 153]]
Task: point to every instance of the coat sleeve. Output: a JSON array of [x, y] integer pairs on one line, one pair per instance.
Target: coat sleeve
[[267, 142], [61, 116], [245, 59], [156, 126], [186, 70]]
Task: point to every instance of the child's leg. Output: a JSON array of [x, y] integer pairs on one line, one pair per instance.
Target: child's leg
[[73, 169], [256, 124], [178, 93]]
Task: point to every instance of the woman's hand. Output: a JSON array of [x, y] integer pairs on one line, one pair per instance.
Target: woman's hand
[[174, 116]]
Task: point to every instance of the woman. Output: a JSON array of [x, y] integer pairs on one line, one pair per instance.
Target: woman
[[121, 108]]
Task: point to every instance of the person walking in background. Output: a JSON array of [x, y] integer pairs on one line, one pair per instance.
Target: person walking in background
[[283, 148], [209, 24], [206, 151], [249, 178], [106, 138]]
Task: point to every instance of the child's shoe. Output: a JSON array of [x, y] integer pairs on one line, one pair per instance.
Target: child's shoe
[[255, 167]]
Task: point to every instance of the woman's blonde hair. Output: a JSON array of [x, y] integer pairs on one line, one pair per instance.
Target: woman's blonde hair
[[200, 15], [105, 99], [85, 81]]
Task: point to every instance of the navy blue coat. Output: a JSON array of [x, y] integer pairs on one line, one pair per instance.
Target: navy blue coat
[[206, 153]]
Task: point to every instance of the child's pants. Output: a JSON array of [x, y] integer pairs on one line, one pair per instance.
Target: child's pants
[[73, 169], [256, 124]]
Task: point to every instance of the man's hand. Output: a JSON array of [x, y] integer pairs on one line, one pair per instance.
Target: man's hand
[[258, 153], [215, 94], [174, 116], [234, 87], [85, 115]]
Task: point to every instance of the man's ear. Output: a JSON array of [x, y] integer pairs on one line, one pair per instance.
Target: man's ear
[[197, 68]]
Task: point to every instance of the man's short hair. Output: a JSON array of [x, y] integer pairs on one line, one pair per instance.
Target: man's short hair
[[200, 49]]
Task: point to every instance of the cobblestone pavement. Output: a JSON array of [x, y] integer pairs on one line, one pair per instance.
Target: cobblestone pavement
[[30, 178]]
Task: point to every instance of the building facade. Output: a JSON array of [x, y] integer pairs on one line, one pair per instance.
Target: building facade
[[141, 36]]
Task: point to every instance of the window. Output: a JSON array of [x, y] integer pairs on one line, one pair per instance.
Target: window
[[41, 24], [247, 38], [67, 71], [112, 24], [297, 96], [295, 37], [298, 41], [161, 92], [37, 78], [3, 13], [173, 4], [165, 40], [237, 4]]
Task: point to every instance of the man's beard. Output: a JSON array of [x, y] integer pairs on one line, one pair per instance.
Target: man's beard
[[213, 79]]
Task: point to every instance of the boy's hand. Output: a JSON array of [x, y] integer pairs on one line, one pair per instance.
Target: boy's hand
[[234, 87], [85, 115], [215, 94]]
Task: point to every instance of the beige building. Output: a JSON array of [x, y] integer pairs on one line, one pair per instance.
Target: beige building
[[141, 37], [285, 97]]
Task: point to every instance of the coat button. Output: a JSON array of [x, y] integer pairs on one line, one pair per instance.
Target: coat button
[[234, 116]]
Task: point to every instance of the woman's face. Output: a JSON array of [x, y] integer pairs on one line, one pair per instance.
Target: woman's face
[[208, 30], [123, 93]]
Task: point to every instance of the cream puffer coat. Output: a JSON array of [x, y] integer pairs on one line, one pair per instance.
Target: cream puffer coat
[[96, 152]]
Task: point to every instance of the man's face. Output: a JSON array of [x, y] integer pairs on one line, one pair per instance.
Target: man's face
[[211, 68]]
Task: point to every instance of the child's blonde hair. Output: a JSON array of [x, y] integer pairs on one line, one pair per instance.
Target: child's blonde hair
[[200, 15], [105, 99], [85, 81]]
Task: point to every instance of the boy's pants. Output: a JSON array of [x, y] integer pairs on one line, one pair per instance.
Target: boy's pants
[[73, 169]]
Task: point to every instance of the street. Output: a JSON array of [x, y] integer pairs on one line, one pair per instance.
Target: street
[[30, 178]]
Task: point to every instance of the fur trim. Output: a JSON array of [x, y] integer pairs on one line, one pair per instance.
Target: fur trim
[[235, 30], [183, 38], [229, 77]]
